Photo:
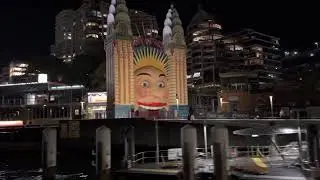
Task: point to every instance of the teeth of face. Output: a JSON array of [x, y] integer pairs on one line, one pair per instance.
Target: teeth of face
[[151, 108]]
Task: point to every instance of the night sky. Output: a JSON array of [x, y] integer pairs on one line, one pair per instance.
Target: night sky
[[27, 27]]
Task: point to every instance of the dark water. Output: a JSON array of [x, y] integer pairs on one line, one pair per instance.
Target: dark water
[[73, 164], [27, 165]]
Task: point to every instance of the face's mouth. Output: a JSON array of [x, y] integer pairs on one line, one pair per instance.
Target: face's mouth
[[152, 105]]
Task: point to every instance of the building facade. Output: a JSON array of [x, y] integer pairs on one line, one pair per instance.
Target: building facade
[[18, 72], [84, 30], [203, 64], [252, 67], [220, 66], [40, 101]]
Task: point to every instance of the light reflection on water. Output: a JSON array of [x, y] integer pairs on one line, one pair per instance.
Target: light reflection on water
[[36, 175]]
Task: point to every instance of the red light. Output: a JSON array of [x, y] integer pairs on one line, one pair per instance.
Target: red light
[[11, 123]]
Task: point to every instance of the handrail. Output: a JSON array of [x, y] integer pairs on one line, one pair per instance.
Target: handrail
[[252, 151]]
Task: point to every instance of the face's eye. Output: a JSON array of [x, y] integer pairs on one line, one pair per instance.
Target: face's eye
[[145, 84], [161, 85]]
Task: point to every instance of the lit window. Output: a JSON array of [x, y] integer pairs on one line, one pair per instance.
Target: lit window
[[92, 36], [17, 73], [271, 75], [235, 48], [201, 38], [257, 48], [258, 55], [18, 69], [105, 33], [197, 33], [67, 60], [295, 52], [311, 54], [97, 13], [91, 24], [67, 35], [197, 74], [105, 15], [23, 65], [238, 48], [105, 26], [218, 26]]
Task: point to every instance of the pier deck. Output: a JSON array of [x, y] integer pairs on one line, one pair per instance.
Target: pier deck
[[151, 168], [275, 173]]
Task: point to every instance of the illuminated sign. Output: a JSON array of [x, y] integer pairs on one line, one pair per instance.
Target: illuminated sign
[[97, 97], [42, 78], [11, 124]]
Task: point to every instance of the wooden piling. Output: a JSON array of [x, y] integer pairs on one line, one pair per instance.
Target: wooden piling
[[49, 153], [189, 151]]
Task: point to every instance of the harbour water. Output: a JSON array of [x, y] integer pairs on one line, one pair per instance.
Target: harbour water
[[27, 166], [73, 164]]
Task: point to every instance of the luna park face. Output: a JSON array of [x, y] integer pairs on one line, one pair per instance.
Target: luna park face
[[151, 88]]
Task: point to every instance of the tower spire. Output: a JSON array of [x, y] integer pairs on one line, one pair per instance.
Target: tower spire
[[110, 18], [122, 19], [177, 29], [167, 31]]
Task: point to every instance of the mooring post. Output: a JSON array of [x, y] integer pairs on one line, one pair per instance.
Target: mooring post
[[221, 149], [189, 151], [132, 149], [129, 145], [103, 153], [49, 153], [157, 142]]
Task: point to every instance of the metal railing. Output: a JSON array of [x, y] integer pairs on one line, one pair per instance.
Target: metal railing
[[273, 158]]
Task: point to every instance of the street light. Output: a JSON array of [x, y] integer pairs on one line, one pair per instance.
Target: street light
[[317, 44], [271, 105], [221, 101], [177, 101]]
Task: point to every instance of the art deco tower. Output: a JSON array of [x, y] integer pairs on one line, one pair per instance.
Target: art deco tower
[[119, 61], [175, 45]]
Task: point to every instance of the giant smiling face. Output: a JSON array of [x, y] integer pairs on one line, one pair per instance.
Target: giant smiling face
[[151, 88]]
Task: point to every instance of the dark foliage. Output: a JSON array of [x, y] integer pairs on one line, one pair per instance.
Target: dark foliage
[[74, 73]]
